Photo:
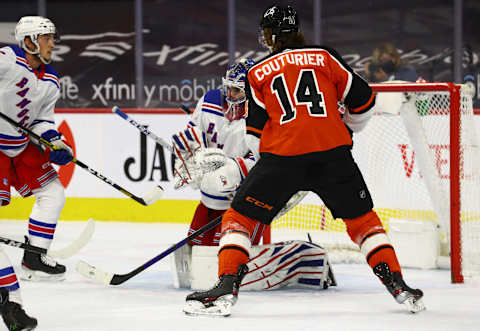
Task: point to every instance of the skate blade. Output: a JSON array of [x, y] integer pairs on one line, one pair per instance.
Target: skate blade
[[40, 276], [220, 308], [414, 306]]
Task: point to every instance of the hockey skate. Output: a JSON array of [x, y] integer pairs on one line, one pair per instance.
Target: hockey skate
[[403, 294], [217, 301], [39, 267], [13, 314]]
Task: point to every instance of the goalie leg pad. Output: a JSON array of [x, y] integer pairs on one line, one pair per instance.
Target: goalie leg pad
[[297, 264], [368, 233]]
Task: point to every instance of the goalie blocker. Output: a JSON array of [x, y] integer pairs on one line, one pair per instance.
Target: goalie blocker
[[295, 264]]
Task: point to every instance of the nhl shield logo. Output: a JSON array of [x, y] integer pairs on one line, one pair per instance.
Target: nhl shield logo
[[362, 194], [5, 181]]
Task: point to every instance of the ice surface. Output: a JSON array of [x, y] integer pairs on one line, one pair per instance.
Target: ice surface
[[149, 302]]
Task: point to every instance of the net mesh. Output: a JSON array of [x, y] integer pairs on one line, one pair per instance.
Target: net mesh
[[403, 154]]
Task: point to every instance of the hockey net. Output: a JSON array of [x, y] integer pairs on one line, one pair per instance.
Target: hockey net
[[419, 155]]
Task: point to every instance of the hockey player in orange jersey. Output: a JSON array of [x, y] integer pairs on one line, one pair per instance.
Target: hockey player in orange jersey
[[294, 125]]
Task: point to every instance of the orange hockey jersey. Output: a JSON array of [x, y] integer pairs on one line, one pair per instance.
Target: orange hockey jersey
[[293, 101]]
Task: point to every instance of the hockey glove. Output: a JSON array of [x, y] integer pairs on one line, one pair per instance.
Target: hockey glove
[[210, 159], [225, 179], [62, 154], [185, 145]]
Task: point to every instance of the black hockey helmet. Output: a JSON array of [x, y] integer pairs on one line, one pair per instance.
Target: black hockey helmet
[[280, 19]]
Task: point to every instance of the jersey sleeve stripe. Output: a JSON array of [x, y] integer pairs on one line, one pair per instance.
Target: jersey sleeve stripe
[[215, 197], [365, 106], [254, 130], [243, 167]]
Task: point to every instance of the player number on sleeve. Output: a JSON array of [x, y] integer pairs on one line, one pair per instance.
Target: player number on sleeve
[[306, 93]]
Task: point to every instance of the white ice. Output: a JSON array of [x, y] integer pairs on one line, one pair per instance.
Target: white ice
[[149, 301]]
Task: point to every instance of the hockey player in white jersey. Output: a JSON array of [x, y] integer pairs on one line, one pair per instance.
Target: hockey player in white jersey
[[215, 136], [213, 156], [29, 89]]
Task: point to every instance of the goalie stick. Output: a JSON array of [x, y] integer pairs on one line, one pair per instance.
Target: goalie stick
[[142, 128], [148, 199], [109, 278], [64, 253]]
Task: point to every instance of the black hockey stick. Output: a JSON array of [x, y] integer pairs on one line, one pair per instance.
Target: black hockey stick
[[150, 198], [108, 278], [142, 128], [185, 109]]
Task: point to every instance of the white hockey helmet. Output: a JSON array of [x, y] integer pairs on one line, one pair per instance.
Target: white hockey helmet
[[34, 26]]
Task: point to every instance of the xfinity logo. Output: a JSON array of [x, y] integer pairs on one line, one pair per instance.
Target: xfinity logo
[[185, 92]]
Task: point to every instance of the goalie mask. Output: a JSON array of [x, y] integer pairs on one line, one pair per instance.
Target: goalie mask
[[277, 20], [234, 89], [33, 27]]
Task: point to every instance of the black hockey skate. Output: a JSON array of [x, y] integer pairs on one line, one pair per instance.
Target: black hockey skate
[[402, 293], [217, 301], [39, 267], [13, 314]]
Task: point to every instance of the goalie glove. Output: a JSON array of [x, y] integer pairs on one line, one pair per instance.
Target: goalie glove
[[210, 159], [63, 153], [225, 179], [186, 144]]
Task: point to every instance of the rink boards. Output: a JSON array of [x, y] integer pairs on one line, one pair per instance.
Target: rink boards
[[110, 145]]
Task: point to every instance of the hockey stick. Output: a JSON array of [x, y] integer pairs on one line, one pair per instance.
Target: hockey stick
[[109, 278], [149, 198], [64, 253], [185, 109], [142, 128]]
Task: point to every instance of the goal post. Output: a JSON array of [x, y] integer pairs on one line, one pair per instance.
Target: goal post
[[419, 155]]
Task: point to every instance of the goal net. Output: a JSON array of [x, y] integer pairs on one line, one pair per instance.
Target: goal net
[[420, 158]]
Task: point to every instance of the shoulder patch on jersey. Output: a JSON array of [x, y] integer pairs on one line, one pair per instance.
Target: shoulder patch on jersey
[[49, 70], [213, 96], [18, 51], [213, 102]]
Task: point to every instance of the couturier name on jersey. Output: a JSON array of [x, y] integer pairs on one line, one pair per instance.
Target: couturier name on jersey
[[276, 63]]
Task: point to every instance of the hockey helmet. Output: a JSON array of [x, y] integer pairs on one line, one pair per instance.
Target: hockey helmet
[[234, 88], [280, 19], [33, 27]]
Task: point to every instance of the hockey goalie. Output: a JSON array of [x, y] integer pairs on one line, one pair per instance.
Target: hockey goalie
[[292, 264], [213, 155]]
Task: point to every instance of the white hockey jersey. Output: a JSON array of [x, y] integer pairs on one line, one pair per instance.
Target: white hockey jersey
[[221, 133], [27, 96]]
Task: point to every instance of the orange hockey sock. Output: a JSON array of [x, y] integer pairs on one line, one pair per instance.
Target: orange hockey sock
[[235, 241], [368, 233]]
